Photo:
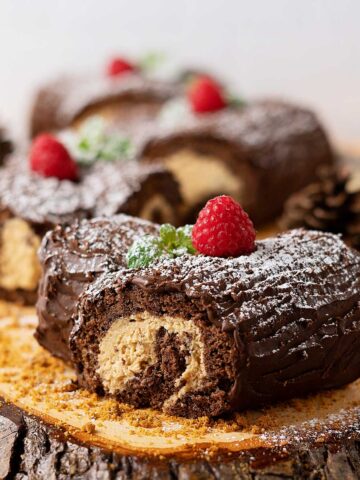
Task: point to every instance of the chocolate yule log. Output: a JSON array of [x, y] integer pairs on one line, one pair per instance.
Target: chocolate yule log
[[259, 153], [31, 204], [126, 100], [198, 335]]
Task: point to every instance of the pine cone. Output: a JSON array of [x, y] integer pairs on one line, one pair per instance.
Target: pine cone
[[331, 203]]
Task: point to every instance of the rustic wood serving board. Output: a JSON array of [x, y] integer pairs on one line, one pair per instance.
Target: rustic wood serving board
[[49, 428]]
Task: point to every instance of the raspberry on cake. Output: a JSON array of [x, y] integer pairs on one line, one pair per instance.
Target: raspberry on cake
[[54, 189], [259, 153], [196, 335], [50, 158], [223, 229], [119, 66], [205, 95]]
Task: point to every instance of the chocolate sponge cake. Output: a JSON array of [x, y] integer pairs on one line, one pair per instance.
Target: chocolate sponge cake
[[197, 335], [30, 205], [259, 154], [126, 101]]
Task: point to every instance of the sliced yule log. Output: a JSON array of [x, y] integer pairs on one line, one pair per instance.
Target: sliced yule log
[[197, 335], [127, 101], [51, 428], [31, 204], [259, 153]]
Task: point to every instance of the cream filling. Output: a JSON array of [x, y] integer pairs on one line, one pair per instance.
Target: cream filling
[[201, 175], [107, 112], [124, 113], [157, 203], [128, 348], [19, 264]]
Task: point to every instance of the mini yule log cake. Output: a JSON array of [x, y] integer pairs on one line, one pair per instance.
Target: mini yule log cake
[[5, 145], [32, 202], [259, 153], [198, 335], [123, 95]]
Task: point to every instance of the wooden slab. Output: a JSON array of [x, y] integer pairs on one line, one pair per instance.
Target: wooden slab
[[49, 428]]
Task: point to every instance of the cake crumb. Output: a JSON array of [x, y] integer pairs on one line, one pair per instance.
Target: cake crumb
[[89, 427]]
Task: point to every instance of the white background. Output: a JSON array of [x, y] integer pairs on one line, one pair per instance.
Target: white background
[[308, 50]]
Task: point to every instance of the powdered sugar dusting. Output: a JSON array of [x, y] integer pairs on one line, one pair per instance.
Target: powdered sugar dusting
[[103, 189]]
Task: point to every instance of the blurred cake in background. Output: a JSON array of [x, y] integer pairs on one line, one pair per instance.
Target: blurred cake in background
[[259, 152], [5, 145], [53, 188], [123, 94]]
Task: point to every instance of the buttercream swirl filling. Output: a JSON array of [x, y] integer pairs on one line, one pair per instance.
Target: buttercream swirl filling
[[129, 348]]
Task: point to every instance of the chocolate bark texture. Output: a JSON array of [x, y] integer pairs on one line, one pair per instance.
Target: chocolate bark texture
[[31, 205], [259, 153], [126, 101], [200, 335]]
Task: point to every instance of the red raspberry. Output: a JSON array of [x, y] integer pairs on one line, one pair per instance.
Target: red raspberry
[[205, 95], [49, 158], [118, 66], [223, 229]]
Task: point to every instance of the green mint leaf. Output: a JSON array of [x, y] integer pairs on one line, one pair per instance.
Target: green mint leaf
[[151, 61], [84, 144], [143, 252], [171, 242], [94, 143], [235, 101], [167, 234], [184, 238]]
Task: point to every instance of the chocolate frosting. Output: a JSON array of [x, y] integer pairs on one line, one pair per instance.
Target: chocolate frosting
[[274, 147], [104, 189], [292, 307], [62, 101], [128, 188], [43, 202]]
